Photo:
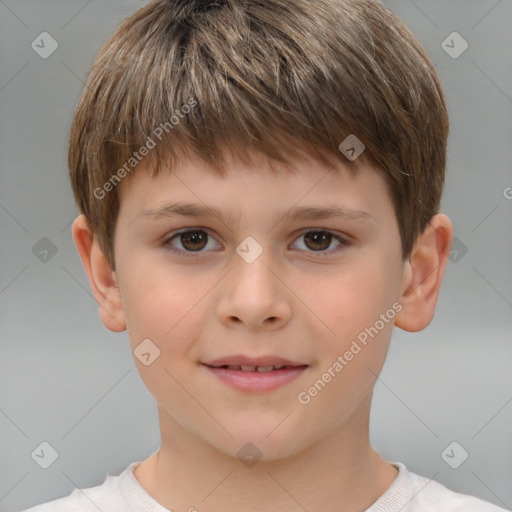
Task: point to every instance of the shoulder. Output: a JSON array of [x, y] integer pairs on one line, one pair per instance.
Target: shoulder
[[429, 495], [105, 497]]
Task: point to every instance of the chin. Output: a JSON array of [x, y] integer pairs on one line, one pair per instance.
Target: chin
[[254, 444]]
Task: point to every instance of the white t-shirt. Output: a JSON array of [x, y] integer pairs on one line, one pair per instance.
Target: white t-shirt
[[408, 493]]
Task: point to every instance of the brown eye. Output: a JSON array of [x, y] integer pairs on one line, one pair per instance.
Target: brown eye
[[318, 240], [191, 241], [194, 240]]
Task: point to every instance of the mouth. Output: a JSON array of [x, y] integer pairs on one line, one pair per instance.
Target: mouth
[[247, 363], [255, 375], [261, 369]]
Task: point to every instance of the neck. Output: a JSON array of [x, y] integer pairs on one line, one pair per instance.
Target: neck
[[339, 472]]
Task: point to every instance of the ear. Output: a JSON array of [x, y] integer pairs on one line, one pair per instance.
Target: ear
[[423, 273], [101, 276]]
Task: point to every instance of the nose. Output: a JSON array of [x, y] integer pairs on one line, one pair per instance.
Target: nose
[[254, 296]]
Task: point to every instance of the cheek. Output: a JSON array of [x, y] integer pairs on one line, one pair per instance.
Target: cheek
[[358, 307], [351, 298], [147, 288], [166, 308], [163, 304], [353, 354]]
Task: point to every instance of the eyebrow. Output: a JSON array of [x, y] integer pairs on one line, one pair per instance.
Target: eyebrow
[[304, 212]]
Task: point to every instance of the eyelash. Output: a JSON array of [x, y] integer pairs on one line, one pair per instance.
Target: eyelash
[[187, 254]]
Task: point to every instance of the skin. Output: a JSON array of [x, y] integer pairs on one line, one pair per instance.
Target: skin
[[299, 299]]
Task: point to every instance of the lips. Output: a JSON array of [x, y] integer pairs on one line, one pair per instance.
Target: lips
[[257, 374], [254, 362], [249, 368]]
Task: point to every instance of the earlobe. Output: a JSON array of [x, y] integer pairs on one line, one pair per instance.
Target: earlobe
[[423, 274], [101, 276]]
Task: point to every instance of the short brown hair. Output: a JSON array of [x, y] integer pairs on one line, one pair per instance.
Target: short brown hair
[[285, 77]]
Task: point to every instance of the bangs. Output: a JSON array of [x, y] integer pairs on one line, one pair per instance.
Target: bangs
[[288, 79]]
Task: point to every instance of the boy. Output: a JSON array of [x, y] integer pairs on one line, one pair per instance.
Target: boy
[[218, 146]]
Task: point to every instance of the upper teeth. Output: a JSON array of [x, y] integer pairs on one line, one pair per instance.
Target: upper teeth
[[256, 368]]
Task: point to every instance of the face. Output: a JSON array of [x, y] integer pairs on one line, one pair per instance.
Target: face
[[275, 279]]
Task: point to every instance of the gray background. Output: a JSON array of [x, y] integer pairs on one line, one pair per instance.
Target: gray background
[[66, 380]]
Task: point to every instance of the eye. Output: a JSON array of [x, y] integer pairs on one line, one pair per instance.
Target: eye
[[192, 240], [197, 240], [319, 240]]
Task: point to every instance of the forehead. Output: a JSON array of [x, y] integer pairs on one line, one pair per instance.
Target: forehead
[[305, 188], [188, 165]]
